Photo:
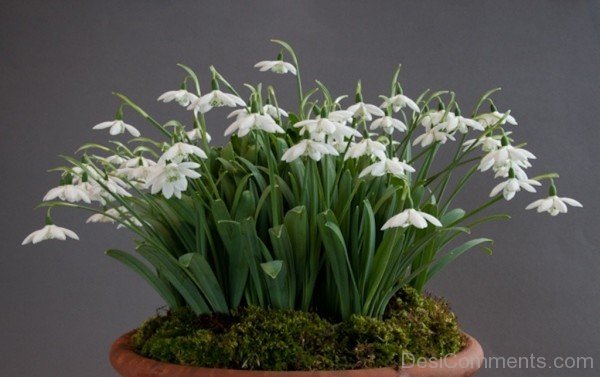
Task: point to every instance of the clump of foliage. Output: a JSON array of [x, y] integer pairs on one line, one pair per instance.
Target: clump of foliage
[[331, 207], [263, 339]]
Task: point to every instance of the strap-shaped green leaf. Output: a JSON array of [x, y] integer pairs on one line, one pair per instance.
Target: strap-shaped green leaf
[[455, 253], [204, 277], [136, 265], [337, 257], [170, 268]]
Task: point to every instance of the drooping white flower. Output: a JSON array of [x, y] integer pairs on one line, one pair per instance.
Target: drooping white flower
[[340, 116], [517, 168], [316, 125], [247, 121], [490, 119], [502, 156], [115, 159], [365, 111], [117, 127], [182, 97], [398, 102], [462, 124], [171, 178], [513, 185], [435, 117], [487, 143], [277, 66], [215, 98], [343, 132], [274, 112], [433, 134], [391, 166], [553, 205], [181, 151], [196, 134], [49, 232], [313, 149], [107, 217], [136, 168], [388, 124], [410, 217], [69, 193], [366, 147]]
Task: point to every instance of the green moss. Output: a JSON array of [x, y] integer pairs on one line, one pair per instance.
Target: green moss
[[262, 339]]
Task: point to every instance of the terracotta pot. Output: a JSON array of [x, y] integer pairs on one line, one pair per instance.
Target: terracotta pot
[[129, 364]]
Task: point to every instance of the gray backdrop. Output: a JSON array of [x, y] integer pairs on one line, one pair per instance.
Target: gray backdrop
[[63, 303]]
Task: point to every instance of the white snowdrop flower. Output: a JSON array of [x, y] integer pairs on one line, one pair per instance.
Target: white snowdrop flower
[[410, 217], [391, 166], [277, 66], [196, 134], [317, 125], [340, 116], [93, 191], [434, 118], [115, 159], [182, 97], [503, 171], [513, 185], [388, 124], [274, 112], [136, 168], [107, 217], [69, 193], [130, 221], [462, 124], [246, 122], [340, 145], [487, 144], [215, 98], [117, 127], [490, 119], [171, 178], [342, 132], [398, 102], [365, 111], [553, 205], [313, 149], [181, 151], [501, 156], [433, 134], [366, 147], [49, 232], [103, 188]]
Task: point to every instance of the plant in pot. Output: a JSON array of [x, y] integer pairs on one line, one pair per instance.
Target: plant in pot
[[305, 242]]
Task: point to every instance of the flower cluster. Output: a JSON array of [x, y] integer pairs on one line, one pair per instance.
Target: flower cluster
[[336, 192]]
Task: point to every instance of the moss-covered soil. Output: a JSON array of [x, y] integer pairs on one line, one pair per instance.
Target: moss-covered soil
[[262, 339]]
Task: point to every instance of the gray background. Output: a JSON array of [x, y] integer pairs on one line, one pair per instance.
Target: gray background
[[63, 303]]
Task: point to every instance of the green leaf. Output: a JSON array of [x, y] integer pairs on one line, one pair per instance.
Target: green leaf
[[337, 257], [455, 253], [231, 235], [452, 216], [205, 279], [170, 268], [136, 265], [272, 268]]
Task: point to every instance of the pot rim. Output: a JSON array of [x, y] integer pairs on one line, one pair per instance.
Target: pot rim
[[129, 364]]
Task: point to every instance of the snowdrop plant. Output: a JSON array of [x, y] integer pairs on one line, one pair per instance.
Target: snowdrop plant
[[305, 209]]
